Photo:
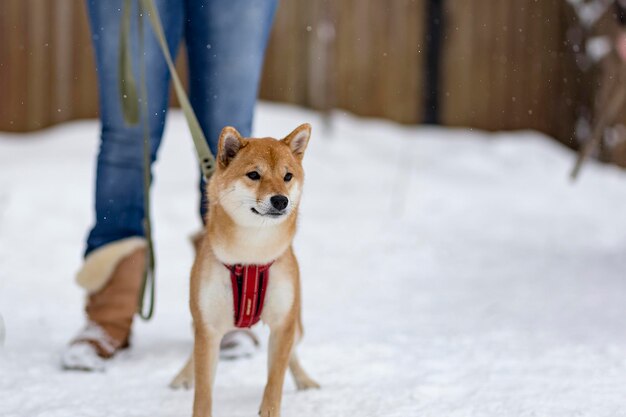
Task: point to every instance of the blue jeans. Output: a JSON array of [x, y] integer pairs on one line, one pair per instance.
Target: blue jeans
[[225, 41]]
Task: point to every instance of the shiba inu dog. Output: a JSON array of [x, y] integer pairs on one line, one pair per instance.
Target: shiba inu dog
[[254, 196]]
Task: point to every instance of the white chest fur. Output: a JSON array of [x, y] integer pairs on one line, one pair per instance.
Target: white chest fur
[[216, 297], [280, 296], [252, 246]]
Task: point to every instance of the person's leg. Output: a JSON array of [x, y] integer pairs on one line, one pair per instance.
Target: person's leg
[[119, 175], [115, 254], [226, 42]]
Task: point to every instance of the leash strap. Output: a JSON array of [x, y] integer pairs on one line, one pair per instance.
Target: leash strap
[[130, 100], [249, 284], [130, 108], [205, 157], [126, 79], [149, 273]]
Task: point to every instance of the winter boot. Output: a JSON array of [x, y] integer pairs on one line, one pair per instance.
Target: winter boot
[[112, 276], [237, 343]]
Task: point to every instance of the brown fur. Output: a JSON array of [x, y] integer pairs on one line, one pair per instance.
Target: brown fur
[[234, 235]]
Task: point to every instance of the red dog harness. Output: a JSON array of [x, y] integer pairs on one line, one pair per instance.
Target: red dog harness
[[249, 283]]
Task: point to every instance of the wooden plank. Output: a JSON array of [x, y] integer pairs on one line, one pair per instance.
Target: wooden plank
[[535, 70], [458, 55], [414, 86], [85, 82], [344, 44], [500, 62], [360, 59], [567, 97], [403, 70], [14, 98], [518, 43], [321, 71], [4, 65], [38, 64], [63, 15], [285, 54]]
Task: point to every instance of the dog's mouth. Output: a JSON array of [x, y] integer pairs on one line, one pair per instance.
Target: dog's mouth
[[270, 213]]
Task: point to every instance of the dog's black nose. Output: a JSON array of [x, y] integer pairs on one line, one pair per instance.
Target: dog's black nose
[[279, 202]]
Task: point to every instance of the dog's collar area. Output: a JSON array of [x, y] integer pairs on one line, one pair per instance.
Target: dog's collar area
[[249, 283]]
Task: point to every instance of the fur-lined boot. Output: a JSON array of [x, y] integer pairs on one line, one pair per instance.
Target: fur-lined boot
[[112, 277]]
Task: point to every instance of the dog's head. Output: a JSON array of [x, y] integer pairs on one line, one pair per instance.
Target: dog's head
[[258, 181]]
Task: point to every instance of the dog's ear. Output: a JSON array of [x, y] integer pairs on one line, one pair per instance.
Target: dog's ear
[[298, 140], [229, 144]]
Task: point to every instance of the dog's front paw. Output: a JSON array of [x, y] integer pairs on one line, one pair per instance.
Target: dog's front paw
[[268, 410]]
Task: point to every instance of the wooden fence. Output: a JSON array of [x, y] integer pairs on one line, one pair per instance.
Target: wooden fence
[[505, 64], [365, 55], [46, 65]]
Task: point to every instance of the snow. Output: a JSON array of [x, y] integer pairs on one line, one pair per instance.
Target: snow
[[445, 272], [589, 12], [598, 47]]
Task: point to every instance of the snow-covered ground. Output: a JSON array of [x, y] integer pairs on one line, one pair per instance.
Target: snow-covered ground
[[446, 273]]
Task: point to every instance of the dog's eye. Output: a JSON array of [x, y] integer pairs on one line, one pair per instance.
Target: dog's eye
[[253, 175], [288, 177]]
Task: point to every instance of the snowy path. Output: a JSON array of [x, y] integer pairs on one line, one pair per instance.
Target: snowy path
[[446, 273]]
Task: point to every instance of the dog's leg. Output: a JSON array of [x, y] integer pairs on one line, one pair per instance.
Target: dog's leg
[[303, 380], [280, 346], [184, 379], [206, 351]]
